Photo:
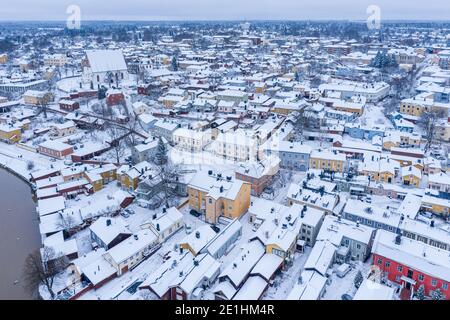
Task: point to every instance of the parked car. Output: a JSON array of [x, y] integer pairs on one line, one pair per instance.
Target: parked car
[[125, 214], [188, 229], [369, 199], [346, 297], [129, 211], [215, 228], [195, 213], [342, 270]]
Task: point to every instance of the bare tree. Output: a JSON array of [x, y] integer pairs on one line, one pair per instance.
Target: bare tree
[[42, 269], [169, 175], [67, 222], [428, 121], [117, 143]]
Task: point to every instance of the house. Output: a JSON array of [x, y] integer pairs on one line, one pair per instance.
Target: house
[[293, 155], [107, 232], [351, 240], [327, 160], [371, 215], [182, 277], [252, 289], [130, 252], [371, 290], [236, 145], [314, 193], [191, 140], [238, 271], [128, 176], [37, 98], [280, 234], [426, 232], [57, 60], [68, 105], [435, 205], [259, 174], [411, 263], [440, 182], [49, 206], [197, 240], [104, 67], [140, 108], [114, 97], [310, 286], [55, 149], [411, 176], [224, 241], [145, 151], [165, 129], [321, 258], [59, 130], [61, 247], [222, 128], [165, 224], [10, 134], [217, 196]]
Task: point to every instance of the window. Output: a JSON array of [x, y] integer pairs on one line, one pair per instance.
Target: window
[[397, 278], [387, 264], [400, 268], [433, 282], [379, 261], [444, 285]]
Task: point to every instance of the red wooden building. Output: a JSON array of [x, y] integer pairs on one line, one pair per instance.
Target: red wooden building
[[412, 263]]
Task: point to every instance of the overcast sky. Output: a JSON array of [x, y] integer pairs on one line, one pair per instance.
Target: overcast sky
[[225, 9]]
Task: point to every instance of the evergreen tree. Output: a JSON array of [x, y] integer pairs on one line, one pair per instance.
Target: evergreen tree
[[358, 279], [174, 64], [437, 295], [420, 293], [161, 153]]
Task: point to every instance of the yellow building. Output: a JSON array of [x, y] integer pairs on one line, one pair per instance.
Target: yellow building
[[423, 102], [411, 176], [327, 160], [217, 196], [3, 58], [127, 176], [436, 205], [95, 180], [10, 134]]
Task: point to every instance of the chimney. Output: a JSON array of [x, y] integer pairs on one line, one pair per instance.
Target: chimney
[[210, 172], [136, 237], [164, 209], [221, 189], [157, 227], [432, 223], [197, 234], [108, 222]]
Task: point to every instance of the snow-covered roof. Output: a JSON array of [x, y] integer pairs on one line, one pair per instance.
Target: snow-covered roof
[[106, 60], [107, 228], [310, 288], [241, 266], [252, 289], [321, 257], [52, 205], [267, 265], [371, 290], [206, 234], [417, 255], [132, 245]]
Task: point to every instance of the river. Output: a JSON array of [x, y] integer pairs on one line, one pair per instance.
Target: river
[[19, 234]]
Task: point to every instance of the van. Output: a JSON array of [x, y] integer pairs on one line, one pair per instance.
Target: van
[[343, 269]]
